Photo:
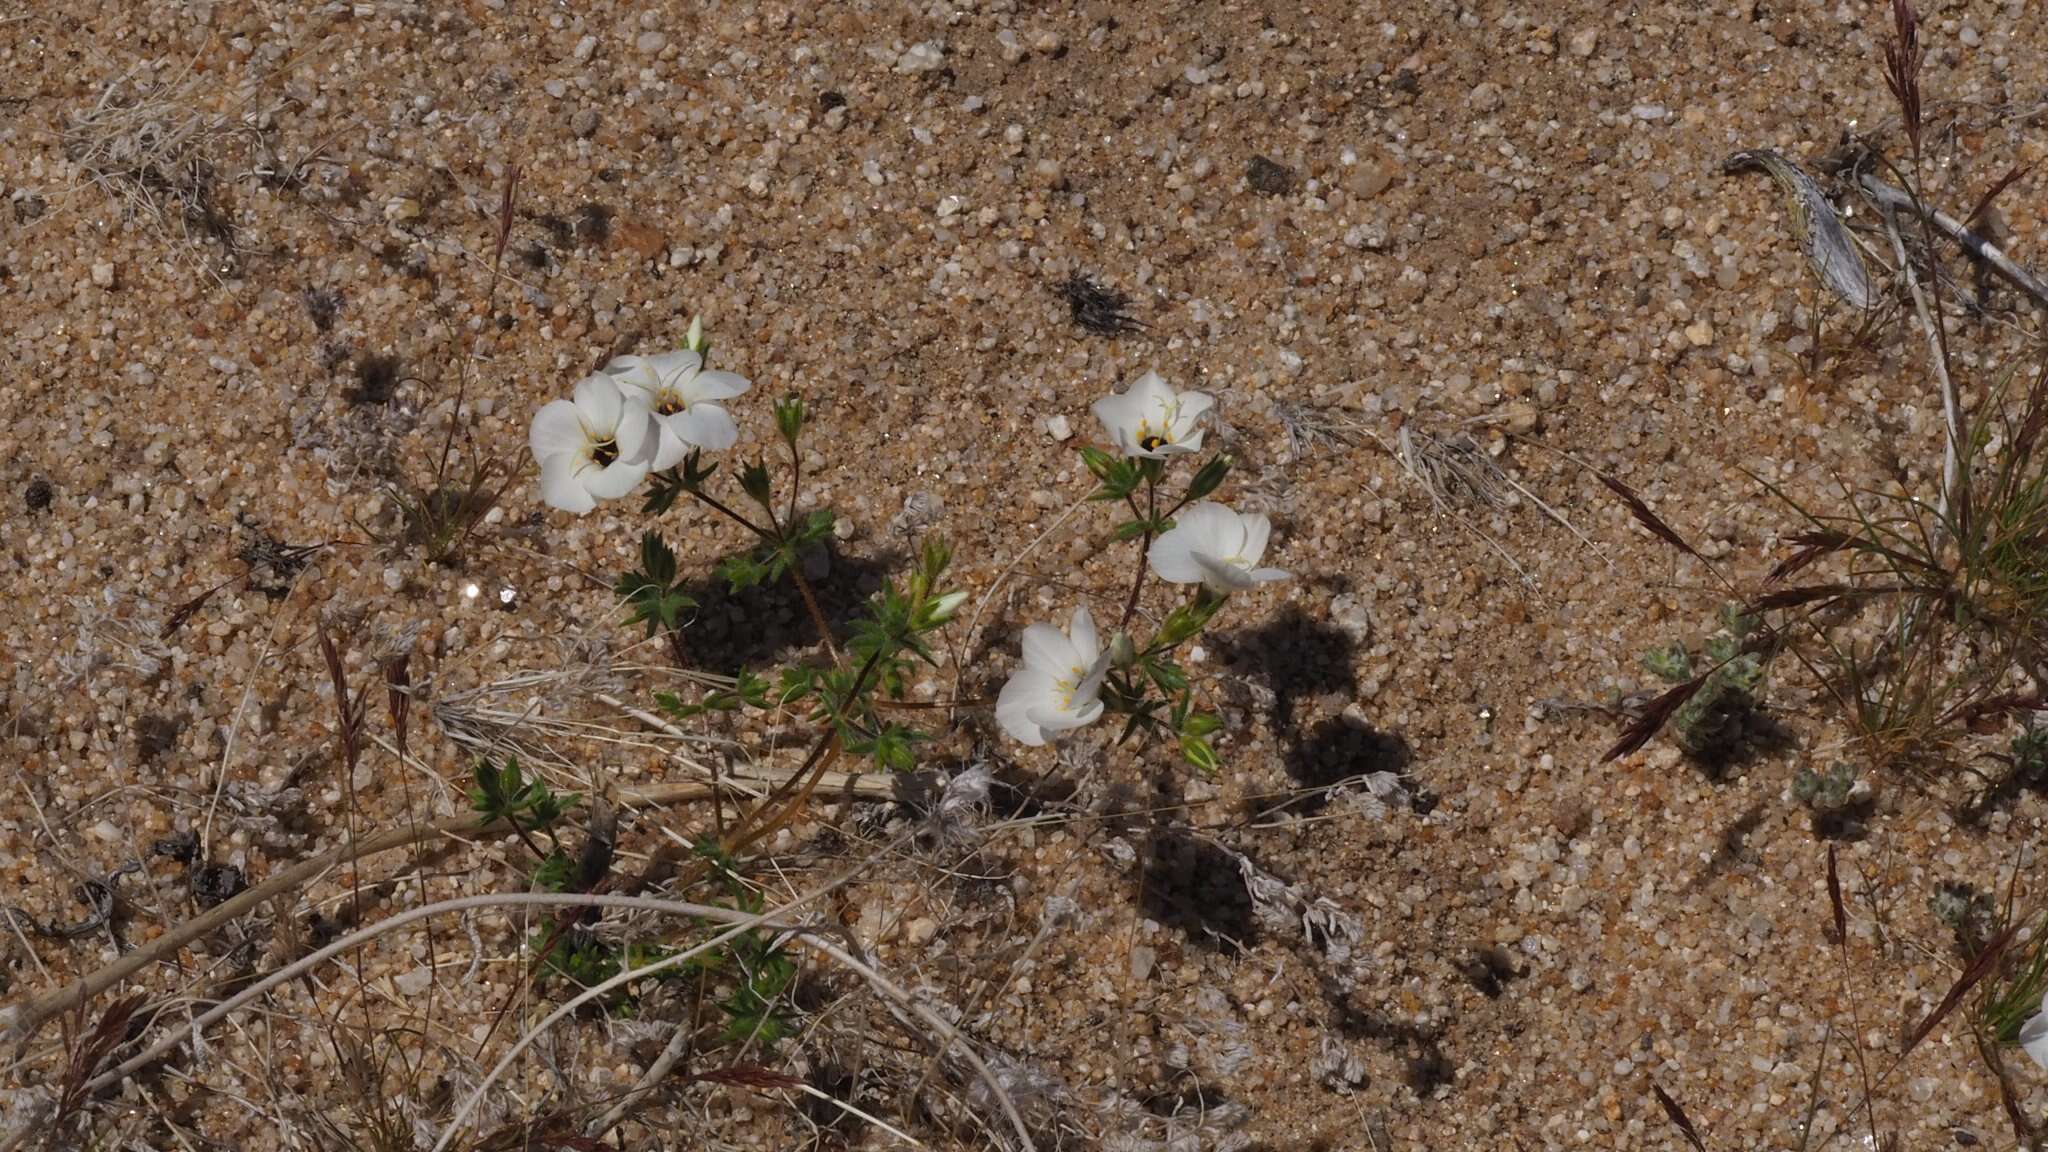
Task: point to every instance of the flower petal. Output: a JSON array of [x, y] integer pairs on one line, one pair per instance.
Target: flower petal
[[1119, 416], [633, 372], [1051, 718], [1270, 575], [1257, 531], [716, 386], [556, 430], [2034, 1038], [1081, 633], [1212, 528], [559, 486], [615, 480], [1090, 686], [1192, 406], [1151, 395], [1222, 575], [600, 403], [635, 433], [1172, 557], [705, 426], [1026, 690], [1047, 650], [669, 448], [674, 369], [1192, 442]]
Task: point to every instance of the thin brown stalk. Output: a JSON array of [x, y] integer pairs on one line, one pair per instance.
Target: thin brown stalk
[[22, 1021]]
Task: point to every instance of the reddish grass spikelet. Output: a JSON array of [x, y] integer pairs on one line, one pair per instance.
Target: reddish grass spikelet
[[1902, 59]]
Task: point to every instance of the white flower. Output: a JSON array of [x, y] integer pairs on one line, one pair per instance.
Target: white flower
[[1210, 544], [595, 447], [682, 396], [1055, 691], [1151, 419], [2034, 1035]]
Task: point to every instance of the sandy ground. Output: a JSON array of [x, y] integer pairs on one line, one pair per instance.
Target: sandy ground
[[1495, 220]]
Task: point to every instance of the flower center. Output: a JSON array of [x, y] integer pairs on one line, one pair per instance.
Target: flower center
[[604, 452], [1067, 685], [1151, 441], [670, 403]]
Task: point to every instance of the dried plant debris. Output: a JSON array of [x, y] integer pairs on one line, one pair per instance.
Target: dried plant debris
[[152, 147], [1269, 177], [1096, 307], [1829, 247]]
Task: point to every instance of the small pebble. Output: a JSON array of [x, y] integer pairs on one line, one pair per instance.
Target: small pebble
[[925, 57]]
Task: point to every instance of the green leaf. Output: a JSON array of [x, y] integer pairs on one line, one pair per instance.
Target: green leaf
[[1200, 724], [1132, 529], [741, 572], [754, 482], [554, 873], [789, 419], [1208, 479], [1197, 752], [1166, 674], [1119, 477], [657, 559]]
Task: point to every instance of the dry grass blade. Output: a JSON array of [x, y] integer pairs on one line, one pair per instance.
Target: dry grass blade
[[1810, 593], [1679, 1120], [1825, 541], [1984, 202], [1647, 518], [1841, 910], [1811, 546], [505, 217], [1655, 714], [1829, 248], [1981, 965], [1902, 59], [742, 1075], [92, 1050]]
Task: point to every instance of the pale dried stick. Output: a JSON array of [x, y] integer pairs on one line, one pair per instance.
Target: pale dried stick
[[1951, 401], [741, 922], [22, 1020]]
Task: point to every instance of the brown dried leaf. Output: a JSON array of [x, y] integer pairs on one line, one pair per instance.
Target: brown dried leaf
[[1835, 900], [1647, 518], [1654, 716], [1981, 965], [1829, 249], [1678, 1118]]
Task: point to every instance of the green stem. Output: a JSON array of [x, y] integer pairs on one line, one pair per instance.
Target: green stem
[[717, 506], [1144, 547]]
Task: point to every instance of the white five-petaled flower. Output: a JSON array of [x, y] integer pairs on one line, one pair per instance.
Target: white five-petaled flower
[[1210, 544], [2034, 1034], [1056, 689], [595, 447], [683, 396], [1151, 419]]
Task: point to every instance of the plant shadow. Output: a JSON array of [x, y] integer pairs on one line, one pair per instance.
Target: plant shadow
[[1297, 657], [1194, 886], [732, 631]]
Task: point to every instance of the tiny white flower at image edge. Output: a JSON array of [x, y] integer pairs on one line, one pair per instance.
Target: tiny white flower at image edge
[[1057, 687], [2034, 1034], [1150, 419], [1213, 545], [595, 446]]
